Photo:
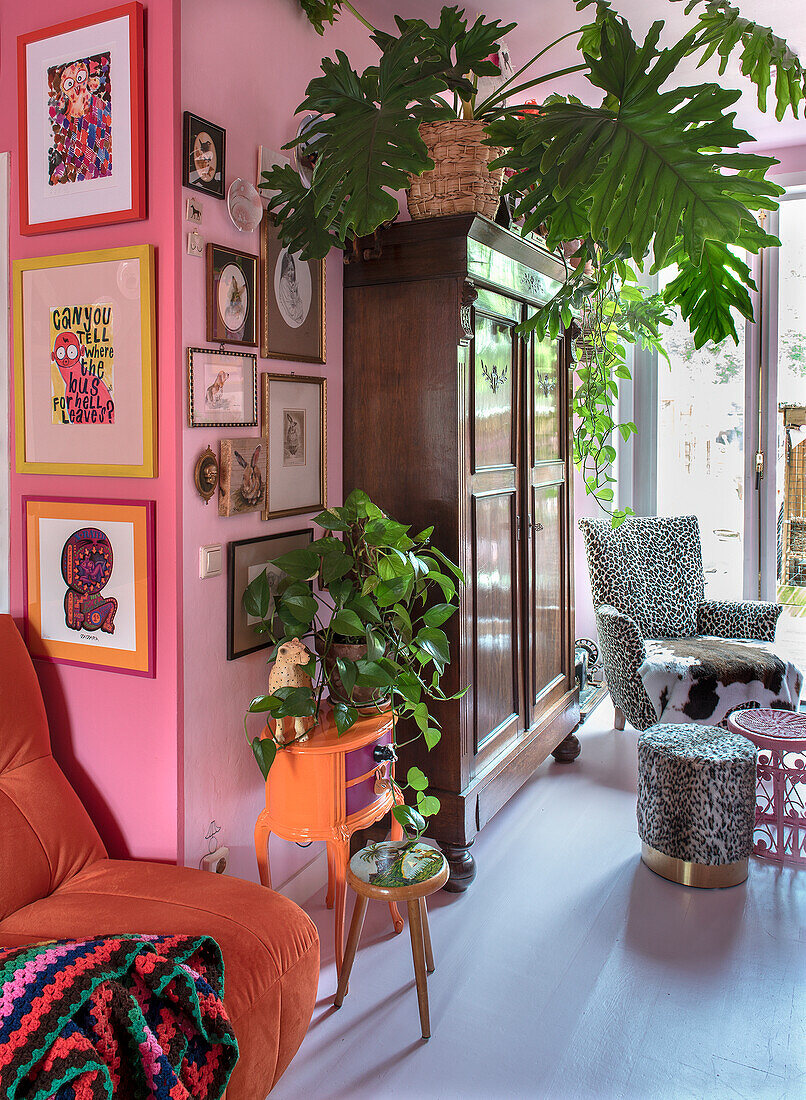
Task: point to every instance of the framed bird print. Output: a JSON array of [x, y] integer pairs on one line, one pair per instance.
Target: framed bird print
[[242, 476], [231, 296], [84, 385], [292, 323], [204, 151], [89, 582], [295, 431], [222, 389], [82, 122]]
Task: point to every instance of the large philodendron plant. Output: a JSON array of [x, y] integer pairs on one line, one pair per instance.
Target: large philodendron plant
[[650, 177]]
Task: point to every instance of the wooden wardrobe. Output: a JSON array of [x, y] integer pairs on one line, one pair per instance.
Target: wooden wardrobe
[[452, 419]]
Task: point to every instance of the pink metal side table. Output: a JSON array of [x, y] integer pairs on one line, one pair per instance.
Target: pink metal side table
[[780, 736]]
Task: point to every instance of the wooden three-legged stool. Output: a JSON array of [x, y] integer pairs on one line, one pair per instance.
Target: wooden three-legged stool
[[410, 875]]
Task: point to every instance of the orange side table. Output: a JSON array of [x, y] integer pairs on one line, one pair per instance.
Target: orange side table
[[326, 788]]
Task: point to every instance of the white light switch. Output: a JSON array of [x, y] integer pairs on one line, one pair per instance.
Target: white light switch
[[211, 561]]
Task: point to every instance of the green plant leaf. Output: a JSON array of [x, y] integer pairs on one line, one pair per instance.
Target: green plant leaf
[[376, 645], [723, 30], [425, 535], [411, 820], [428, 804], [302, 565], [390, 592], [347, 624], [369, 141], [257, 596], [372, 674], [332, 520], [643, 164], [438, 614], [707, 295], [294, 702], [335, 565], [262, 703], [344, 716], [417, 779], [435, 644], [432, 737], [347, 673], [303, 608], [386, 532], [264, 751], [364, 607]]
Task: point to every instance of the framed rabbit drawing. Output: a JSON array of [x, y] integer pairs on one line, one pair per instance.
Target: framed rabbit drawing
[[243, 476]]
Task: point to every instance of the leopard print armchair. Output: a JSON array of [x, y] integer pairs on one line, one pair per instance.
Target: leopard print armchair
[[647, 583]]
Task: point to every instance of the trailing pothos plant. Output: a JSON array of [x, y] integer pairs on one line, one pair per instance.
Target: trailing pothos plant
[[648, 177], [380, 587]]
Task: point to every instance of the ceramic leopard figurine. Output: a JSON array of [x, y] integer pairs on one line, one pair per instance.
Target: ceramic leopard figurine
[[288, 671]]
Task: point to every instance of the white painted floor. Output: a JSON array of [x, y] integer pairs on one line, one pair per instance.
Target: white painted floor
[[569, 970]]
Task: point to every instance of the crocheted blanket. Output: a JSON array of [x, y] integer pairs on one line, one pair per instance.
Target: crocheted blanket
[[703, 679], [125, 1016]]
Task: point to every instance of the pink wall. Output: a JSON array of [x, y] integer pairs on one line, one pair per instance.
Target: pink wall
[[116, 735], [247, 75]]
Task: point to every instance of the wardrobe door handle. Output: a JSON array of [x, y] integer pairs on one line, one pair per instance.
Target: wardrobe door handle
[[537, 526]]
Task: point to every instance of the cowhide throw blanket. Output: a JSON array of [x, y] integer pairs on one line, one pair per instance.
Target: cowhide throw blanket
[[703, 679]]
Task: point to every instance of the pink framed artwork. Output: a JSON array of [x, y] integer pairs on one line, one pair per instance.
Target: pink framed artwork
[[81, 122], [84, 386], [89, 582]]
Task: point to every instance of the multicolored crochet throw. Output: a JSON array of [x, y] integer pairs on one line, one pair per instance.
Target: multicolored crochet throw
[[125, 1016]]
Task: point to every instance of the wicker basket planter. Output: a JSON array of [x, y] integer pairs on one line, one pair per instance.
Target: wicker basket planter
[[461, 181]]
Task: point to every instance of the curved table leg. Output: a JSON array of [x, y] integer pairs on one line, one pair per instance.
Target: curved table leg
[[331, 882], [262, 834], [396, 833], [339, 853]]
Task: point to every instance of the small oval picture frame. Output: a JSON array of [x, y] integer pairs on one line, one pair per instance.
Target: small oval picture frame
[[205, 475]]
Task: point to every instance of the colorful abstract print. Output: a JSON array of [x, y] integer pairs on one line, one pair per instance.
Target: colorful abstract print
[[129, 1016], [80, 115]]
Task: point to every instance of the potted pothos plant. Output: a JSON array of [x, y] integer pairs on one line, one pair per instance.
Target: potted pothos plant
[[382, 596], [647, 177]]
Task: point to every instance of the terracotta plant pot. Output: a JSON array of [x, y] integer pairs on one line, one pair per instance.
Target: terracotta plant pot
[[461, 181], [348, 651]]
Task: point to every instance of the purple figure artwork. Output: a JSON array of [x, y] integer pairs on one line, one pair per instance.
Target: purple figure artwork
[[86, 567], [87, 399], [80, 113]]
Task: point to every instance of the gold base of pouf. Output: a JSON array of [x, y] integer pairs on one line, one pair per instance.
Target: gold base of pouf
[[694, 874]]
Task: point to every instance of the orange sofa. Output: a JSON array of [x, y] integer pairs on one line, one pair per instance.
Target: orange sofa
[[57, 882]]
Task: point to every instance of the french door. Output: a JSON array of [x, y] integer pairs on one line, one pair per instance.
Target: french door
[[722, 434]]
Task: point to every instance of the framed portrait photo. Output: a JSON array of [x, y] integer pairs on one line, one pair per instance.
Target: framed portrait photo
[[204, 152], [295, 428], [292, 323], [82, 122], [231, 296], [222, 389], [242, 476], [84, 385], [89, 582], [246, 560]]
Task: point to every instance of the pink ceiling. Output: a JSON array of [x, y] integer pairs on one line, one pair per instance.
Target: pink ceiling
[[541, 21]]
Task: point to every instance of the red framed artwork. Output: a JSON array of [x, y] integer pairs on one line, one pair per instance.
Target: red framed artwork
[[89, 582], [82, 122]]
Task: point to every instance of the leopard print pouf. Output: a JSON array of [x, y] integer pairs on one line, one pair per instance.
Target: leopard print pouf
[[696, 803]]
